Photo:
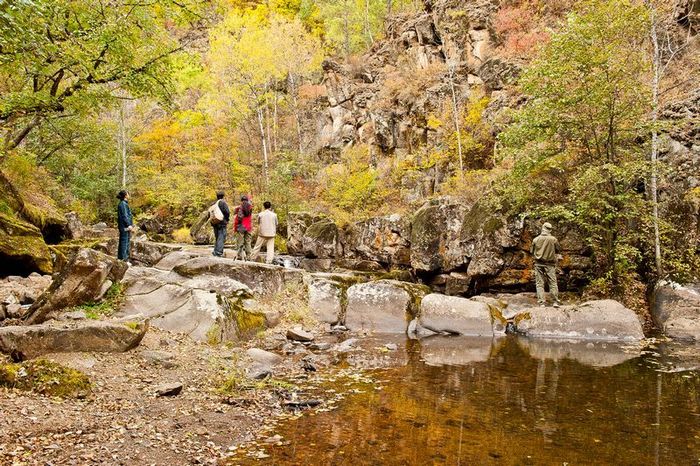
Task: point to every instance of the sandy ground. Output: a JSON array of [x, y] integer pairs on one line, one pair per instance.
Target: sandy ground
[[123, 422]]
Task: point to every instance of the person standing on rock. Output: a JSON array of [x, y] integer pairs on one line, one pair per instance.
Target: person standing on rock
[[545, 250], [126, 226], [219, 215], [267, 230], [242, 225]]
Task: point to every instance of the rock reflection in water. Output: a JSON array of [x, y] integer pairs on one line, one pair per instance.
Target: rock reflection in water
[[513, 403], [589, 353], [455, 350]]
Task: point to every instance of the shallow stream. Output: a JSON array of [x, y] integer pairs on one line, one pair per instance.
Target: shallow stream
[[473, 401]]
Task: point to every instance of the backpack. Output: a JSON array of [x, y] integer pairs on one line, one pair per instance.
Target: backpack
[[244, 210], [216, 216]]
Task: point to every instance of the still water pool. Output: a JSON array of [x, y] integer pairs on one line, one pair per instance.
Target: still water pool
[[466, 401]]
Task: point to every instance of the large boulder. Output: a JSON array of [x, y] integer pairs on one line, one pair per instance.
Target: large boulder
[[201, 231], [381, 239], [30, 341], [383, 306], [263, 279], [74, 227], [676, 309], [451, 314], [435, 237], [22, 248], [85, 278], [320, 240], [327, 294], [604, 319], [297, 223], [205, 307]]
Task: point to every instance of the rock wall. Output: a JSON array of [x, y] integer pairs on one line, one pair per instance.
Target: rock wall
[[385, 97], [454, 248]]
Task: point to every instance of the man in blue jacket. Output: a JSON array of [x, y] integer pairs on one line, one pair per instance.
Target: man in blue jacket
[[125, 224]]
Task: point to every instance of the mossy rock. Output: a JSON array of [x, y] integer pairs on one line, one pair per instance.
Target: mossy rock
[[239, 323], [45, 377], [324, 231], [22, 248]]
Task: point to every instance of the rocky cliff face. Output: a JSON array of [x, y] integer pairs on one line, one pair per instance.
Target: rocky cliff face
[[385, 98], [456, 249]]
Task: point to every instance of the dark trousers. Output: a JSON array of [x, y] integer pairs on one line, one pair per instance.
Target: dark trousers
[[220, 239], [124, 245]]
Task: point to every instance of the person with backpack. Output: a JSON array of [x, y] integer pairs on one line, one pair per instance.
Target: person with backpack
[[219, 215], [267, 230], [126, 226], [242, 225]]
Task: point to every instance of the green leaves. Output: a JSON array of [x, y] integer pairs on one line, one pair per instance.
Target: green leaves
[[575, 145], [70, 56]]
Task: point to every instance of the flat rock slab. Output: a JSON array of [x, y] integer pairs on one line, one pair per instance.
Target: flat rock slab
[[452, 314], [677, 310], [263, 279], [35, 340], [604, 319]]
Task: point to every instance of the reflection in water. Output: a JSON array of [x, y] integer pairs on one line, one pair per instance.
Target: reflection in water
[[505, 405]]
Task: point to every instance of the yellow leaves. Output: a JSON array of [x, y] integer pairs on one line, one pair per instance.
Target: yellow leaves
[[433, 122]]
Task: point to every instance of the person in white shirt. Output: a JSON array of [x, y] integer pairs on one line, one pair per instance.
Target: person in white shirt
[[267, 230]]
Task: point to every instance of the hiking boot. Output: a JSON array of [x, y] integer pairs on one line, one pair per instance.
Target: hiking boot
[[556, 304], [542, 304]]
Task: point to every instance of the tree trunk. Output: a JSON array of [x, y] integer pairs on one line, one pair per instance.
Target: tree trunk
[[122, 143], [295, 102], [455, 113], [261, 127], [656, 77]]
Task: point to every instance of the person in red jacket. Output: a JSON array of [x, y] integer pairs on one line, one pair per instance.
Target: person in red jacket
[[242, 225]]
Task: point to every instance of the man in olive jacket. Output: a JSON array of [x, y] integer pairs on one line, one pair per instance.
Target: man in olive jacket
[[545, 249]]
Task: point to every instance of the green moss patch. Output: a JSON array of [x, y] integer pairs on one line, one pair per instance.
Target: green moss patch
[[46, 378], [112, 301]]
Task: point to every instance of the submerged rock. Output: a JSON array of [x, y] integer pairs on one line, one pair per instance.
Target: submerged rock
[[30, 341], [676, 309], [593, 320]]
